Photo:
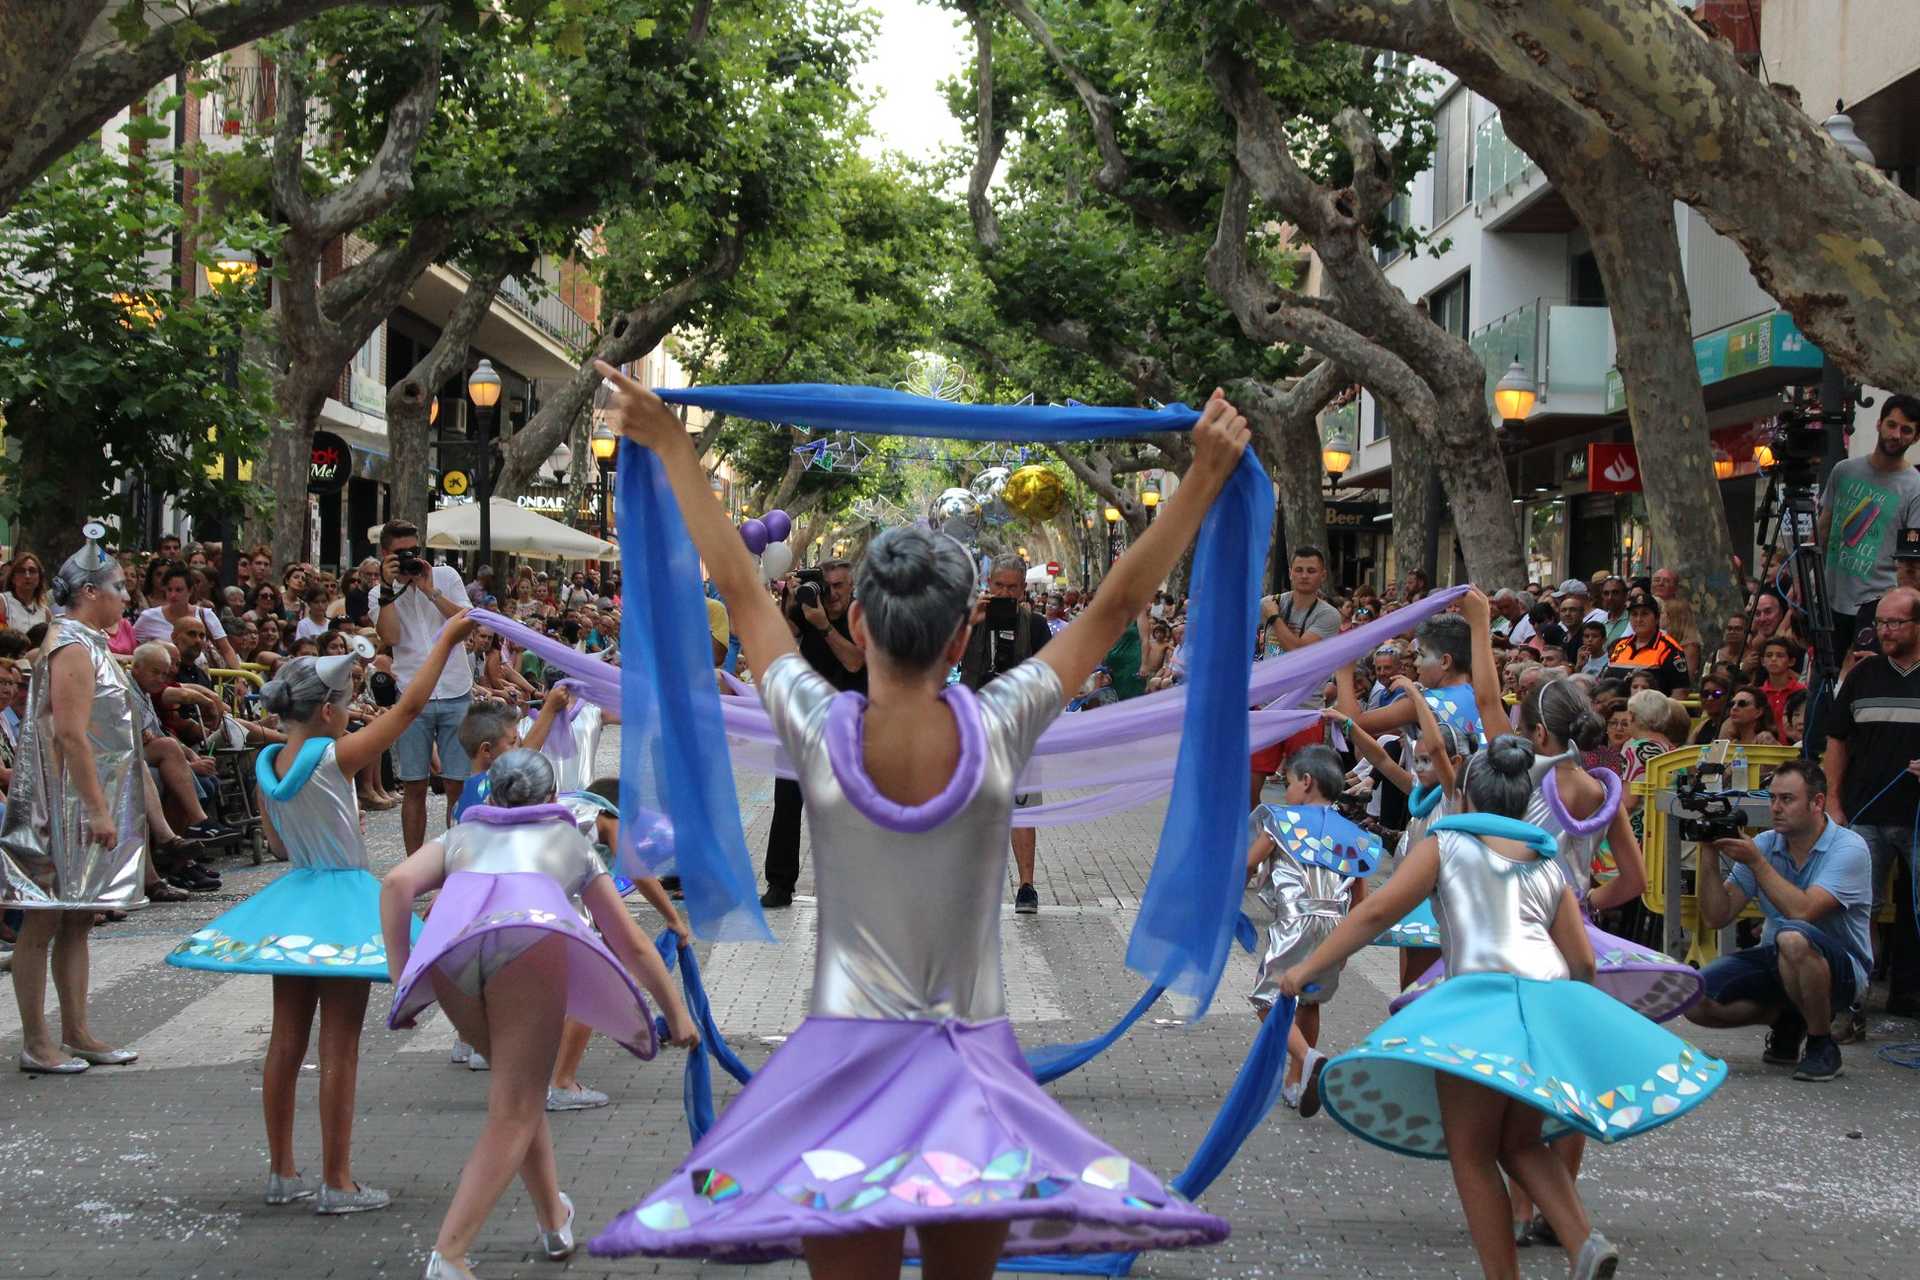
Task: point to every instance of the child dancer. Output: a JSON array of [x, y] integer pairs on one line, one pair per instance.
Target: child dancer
[[1507, 1048], [1437, 760], [1306, 890], [900, 1119], [503, 941], [317, 928]]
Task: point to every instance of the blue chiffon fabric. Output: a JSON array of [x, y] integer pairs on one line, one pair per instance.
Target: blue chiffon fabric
[[673, 746]]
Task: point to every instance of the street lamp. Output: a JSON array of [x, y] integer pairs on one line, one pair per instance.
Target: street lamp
[[1336, 456], [1839, 127], [1514, 394], [483, 388], [234, 267], [1112, 515], [1763, 456], [1150, 499], [559, 460], [1722, 465], [605, 444]]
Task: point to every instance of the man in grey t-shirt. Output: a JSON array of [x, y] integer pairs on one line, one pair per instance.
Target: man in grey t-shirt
[[1305, 618], [1865, 504]]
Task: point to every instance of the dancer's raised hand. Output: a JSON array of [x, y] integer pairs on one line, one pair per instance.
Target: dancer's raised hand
[[1219, 438], [638, 414]]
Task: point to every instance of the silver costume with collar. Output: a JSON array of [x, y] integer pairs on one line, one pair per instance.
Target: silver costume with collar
[[909, 922], [1575, 858], [1495, 913], [1303, 903], [554, 849], [50, 862], [320, 823]]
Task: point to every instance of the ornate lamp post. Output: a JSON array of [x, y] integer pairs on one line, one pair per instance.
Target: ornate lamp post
[[483, 388]]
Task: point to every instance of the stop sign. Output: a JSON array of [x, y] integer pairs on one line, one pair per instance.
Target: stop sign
[[1053, 567]]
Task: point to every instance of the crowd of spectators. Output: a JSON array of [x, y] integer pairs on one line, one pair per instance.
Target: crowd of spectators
[[195, 652]]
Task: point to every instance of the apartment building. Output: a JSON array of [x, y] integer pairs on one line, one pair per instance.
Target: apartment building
[[1517, 280]]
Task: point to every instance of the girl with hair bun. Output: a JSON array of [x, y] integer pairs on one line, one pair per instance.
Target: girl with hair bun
[[508, 958], [1509, 1049], [901, 1118], [316, 930]]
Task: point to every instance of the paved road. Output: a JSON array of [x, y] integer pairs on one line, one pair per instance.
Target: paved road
[[156, 1170]]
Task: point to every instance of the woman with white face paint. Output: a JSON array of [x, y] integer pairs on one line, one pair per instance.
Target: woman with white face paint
[[75, 837]]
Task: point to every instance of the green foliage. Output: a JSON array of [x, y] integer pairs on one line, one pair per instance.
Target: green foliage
[[102, 345]]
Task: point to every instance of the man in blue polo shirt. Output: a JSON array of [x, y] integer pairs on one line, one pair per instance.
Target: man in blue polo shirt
[[1814, 881]]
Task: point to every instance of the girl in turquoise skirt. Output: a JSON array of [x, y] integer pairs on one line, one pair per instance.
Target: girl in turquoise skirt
[[316, 930], [1516, 1052]]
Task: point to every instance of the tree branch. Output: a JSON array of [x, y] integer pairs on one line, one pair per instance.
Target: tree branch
[[988, 140], [1116, 171], [389, 174]]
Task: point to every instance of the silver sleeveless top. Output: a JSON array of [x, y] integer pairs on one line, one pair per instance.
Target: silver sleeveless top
[[320, 823], [1494, 913], [49, 861], [1575, 858], [909, 922], [575, 772], [553, 848]]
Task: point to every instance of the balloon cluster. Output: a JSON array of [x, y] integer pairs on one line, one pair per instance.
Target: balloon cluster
[[766, 538]]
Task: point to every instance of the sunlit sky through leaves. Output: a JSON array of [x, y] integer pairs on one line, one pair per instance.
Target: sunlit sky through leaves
[[918, 46]]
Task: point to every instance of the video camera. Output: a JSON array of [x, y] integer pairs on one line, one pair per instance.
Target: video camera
[[1706, 814]]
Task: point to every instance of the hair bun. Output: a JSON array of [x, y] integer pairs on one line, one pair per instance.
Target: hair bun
[[1510, 755], [276, 697]]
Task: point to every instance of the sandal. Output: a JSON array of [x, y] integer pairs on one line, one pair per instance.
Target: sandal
[[161, 891]]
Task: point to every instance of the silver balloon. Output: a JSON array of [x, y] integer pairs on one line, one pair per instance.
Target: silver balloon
[[956, 513], [990, 487]]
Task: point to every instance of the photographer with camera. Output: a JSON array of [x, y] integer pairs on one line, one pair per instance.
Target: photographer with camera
[[1874, 496], [415, 600], [1812, 877], [814, 603], [1006, 632]]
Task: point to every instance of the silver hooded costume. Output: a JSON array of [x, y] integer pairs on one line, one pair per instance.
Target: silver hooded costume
[[1303, 903], [50, 862]]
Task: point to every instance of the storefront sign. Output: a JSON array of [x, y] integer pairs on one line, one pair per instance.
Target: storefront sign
[[1353, 515], [1771, 341], [330, 465], [1613, 468]]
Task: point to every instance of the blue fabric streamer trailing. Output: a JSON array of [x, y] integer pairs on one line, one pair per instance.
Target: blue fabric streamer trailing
[[673, 750], [1187, 915], [1049, 1062]]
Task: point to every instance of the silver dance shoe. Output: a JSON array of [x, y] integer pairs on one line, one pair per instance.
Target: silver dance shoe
[[439, 1268], [286, 1190], [557, 1244], [578, 1098], [67, 1067], [1598, 1259], [102, 1057], [359, 1200]]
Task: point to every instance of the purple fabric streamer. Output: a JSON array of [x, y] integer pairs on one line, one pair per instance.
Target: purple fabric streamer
[[1122, 755]]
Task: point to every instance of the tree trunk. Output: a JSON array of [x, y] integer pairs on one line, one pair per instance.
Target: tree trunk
[[1833, 240], [301, 397], [1636, 245], [409, 429], [1289, 448], [1414, 515]]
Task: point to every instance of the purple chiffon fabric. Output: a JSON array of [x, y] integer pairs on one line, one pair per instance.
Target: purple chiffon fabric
[[870, 1125], [1652, 984], [482, 923], [1123, 755]]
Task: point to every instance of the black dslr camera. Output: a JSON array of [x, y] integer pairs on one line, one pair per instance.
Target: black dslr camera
[[812, 588], [1705, 815], [410, 563]]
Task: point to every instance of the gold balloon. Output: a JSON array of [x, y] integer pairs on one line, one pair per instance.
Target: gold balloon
[[1035, 492]]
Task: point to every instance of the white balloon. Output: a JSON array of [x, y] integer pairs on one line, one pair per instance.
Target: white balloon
[[775, 561]]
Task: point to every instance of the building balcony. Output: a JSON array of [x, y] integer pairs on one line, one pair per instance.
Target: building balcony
[[1566, 350], [560, 321], [1509, 191]]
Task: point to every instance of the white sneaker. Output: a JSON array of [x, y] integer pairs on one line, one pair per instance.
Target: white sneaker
[[1310, 1083], [462, 1051], [475, 1062], [578, 1098]]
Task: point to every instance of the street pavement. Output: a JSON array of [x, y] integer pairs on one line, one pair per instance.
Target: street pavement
[[157, 1169]]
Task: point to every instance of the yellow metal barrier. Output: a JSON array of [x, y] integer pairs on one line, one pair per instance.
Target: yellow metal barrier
[[1667, 856]]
